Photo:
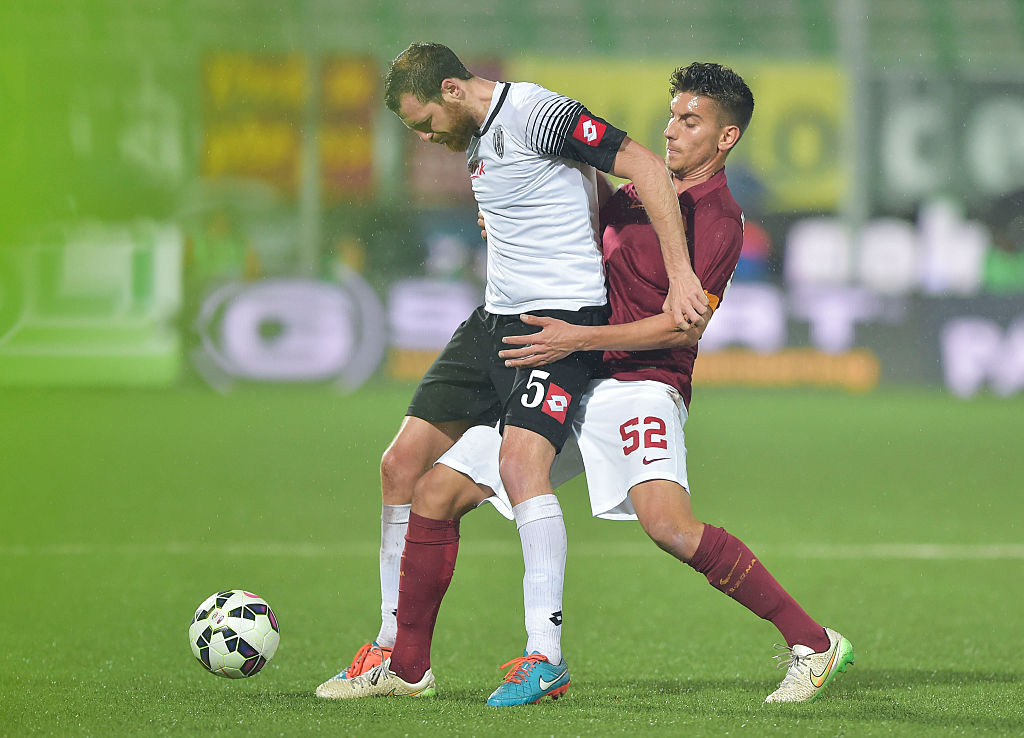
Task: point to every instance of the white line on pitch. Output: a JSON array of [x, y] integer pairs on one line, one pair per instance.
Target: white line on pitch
[[888, 551]]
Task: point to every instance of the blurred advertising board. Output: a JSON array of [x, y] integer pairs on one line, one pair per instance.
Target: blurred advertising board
[[842, 337], [793, 142], [252, 116], [92, 304], [348, 104], [855, 338], [290, 330], [259, 108], [945, 135]]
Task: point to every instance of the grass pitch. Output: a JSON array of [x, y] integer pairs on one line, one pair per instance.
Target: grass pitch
[[895, 517]]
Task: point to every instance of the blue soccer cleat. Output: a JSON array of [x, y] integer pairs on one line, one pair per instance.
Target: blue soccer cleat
[[531, 679]]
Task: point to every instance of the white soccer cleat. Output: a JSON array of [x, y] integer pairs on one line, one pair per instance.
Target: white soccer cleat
[[378, 682], [809, 672]]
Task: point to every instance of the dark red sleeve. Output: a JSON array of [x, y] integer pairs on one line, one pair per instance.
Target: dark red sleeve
[[613, 208], [720, 251]]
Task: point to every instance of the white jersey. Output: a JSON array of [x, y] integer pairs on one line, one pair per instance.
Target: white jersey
[[532, 170]]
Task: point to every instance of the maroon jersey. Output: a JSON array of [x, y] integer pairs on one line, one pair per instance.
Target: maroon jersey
[[638, 283]]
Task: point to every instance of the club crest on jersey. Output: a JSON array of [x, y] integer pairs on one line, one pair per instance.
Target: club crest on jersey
[[498, 137], [556, 402], [588, 130]]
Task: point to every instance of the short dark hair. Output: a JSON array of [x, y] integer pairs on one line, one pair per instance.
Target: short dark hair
[[419, 70], [721, 84]]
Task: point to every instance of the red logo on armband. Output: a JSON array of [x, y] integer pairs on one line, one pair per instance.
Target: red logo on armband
[[589, 131]]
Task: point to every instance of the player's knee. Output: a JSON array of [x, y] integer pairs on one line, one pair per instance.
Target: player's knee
[[434, 497], [675, 537], [398, 474], [521, 475]]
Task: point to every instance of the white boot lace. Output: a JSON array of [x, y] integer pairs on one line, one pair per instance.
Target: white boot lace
[[789, 659], [370, 678]]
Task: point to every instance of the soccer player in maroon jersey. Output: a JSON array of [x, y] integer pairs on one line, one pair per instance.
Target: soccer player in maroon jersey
[[629, 426], [710, 108]]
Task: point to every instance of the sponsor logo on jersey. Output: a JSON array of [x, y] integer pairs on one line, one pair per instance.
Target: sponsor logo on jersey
[[556, 402], [499, 142], [651, 461], [476, 168], [589, 131]]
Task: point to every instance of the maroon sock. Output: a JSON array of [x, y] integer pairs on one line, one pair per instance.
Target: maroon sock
[[731, 568], [428, 563]]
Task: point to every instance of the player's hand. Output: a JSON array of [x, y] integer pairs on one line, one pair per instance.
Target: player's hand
[[480, 222], [686, 302], [555, 340]]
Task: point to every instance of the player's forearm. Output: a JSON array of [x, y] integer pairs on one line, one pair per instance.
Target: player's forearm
[[662, 206], [655, 332], [654, 187]]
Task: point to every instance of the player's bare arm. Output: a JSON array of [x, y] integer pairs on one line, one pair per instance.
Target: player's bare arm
[[686, 301], [557, 339]]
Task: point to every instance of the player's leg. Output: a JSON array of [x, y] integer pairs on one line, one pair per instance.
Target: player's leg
[[455, 393], [441, 498], [537, 423], [815, 652], [631, 438], [428, 562], [525, 464], [663, 509], [415, 447], [728, 564], [413, 451]]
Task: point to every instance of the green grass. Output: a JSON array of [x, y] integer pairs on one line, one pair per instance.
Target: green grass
[[121, 510]]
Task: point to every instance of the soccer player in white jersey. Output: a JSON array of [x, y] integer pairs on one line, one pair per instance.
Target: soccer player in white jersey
[[630, 425], [531, 156]]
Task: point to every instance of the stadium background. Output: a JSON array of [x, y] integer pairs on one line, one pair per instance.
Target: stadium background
[[158, 154], [213, 232]]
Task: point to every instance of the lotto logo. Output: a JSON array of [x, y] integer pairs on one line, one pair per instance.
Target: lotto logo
[[589, 131], [556, 402]]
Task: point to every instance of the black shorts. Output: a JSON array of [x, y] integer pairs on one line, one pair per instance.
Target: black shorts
[[469, 381]]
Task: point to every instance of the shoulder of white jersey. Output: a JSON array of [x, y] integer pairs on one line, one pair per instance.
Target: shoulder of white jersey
[[544, 118]]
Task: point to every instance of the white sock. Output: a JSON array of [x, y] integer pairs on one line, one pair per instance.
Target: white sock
[[542, 531], [394, 521]]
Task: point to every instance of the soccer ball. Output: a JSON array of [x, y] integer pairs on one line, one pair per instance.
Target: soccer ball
[[234, 633]]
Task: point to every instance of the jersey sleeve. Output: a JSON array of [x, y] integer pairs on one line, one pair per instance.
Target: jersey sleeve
[[560, 126], [717, 261]]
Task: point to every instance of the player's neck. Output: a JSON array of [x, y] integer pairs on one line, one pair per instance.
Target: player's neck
[[685, 180], [478, 97]]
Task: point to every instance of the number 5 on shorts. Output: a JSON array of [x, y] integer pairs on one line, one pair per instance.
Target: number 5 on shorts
[[535, 384]]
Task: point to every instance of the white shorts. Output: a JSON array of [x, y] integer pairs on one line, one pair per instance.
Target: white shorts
[[625, 433]]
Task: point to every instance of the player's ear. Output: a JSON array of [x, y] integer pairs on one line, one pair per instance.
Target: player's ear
[[729, 138], [452, 89]]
